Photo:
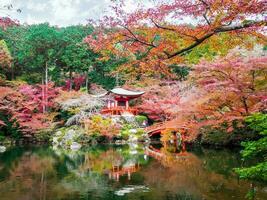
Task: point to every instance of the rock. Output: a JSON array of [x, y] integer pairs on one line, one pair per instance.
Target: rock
[[2, 149], [133, 131], [58, 133], [75, 146], [120, 142], [27, 136], [133, 152], [264, 189], [70, 135], [133, 139], [55, 140]]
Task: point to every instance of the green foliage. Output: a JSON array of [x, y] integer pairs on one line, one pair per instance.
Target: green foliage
[[180, 71], [11, 129], [256, 172], [5, 57], [125, 131], [256, 149], [221, 137], [75, 55], [101, 72], [30, 78], [62, 49], [140, 119], [258, 122], [43, 135]]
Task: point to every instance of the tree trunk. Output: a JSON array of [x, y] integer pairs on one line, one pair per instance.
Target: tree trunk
[[12, 70], [86, 82], [46, 85], [43, 95], [244, 101], [70, 80]]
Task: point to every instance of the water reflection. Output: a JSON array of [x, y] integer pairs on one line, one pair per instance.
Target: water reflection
[[121, 172]]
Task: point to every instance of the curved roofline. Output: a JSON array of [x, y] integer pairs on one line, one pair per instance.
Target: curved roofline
[[124, 92]]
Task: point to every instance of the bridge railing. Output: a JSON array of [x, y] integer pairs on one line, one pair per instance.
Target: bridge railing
[[163, 126]]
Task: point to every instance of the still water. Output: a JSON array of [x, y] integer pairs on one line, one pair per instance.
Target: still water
[[122, 172]]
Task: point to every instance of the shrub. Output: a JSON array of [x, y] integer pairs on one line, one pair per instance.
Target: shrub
[[99, 126], [255, 149], [140, 119]]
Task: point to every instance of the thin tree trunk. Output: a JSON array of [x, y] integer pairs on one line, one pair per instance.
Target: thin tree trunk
[[12, 71], [70, 80], [86, 82], [87, 79], [46, 85], [244, 101], [43, 95]]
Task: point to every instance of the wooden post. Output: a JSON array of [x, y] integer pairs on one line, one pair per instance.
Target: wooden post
[[129, 175], [127, 104]]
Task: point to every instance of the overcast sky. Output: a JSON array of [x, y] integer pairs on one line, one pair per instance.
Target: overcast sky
[[59, 12]]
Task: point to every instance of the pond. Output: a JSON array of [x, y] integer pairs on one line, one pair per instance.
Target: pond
[[122, 172]]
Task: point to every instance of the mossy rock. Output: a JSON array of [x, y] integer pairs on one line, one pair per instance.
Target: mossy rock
[[140, 119]]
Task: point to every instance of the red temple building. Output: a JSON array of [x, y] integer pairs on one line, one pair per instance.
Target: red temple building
[[118, 101]]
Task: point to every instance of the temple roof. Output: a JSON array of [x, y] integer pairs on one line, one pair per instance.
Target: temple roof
[[124, 92]]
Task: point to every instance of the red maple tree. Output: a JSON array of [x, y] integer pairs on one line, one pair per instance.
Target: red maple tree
[[153, 38]]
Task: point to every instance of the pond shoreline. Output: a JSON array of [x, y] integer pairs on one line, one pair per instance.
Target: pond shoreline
[[34, 142]]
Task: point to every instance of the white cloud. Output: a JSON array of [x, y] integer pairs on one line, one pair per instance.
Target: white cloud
[[62, 12], [38, 7]]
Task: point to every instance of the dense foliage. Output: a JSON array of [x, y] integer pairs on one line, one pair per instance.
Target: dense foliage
[[256, 149], [153, 38], [60, 51]]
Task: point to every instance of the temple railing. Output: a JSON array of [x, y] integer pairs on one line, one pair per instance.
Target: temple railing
[[119, 110]]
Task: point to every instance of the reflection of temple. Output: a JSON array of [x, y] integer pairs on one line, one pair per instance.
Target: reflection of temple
[[118, 101], [118, 171]]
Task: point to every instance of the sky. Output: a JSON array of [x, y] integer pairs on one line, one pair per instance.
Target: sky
[[59, 12]]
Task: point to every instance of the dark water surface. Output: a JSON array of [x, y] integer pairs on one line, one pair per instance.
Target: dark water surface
[[122, 172]]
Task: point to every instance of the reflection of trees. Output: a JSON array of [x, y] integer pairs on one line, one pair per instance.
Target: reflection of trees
[[30, 177], [40, 173], [221, 162], [102, 162], [114, 162], [189, 175], [44, 173]]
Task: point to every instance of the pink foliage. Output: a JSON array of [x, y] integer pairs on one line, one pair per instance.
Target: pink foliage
[[6, 22], [208, 16], [161, 103], [26, 104], [227, 89], [77, 82], [234, 87], [39, 96]]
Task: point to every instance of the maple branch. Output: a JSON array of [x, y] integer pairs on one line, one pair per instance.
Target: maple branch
[[173, 29], [206, 18], [206, 11], [162, 27], [135, 38], [221, 29]]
